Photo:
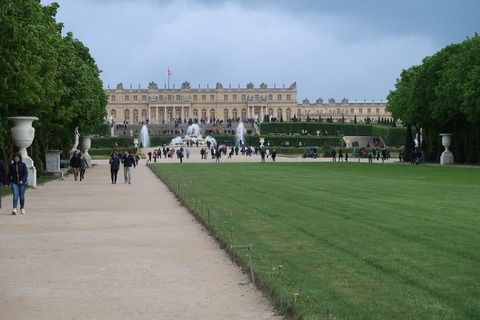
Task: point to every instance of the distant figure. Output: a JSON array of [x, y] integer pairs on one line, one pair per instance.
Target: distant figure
[[75, 164], [83, 165], [274, 155], [128, 163], [18, 178], [114, 166], [334, 155]]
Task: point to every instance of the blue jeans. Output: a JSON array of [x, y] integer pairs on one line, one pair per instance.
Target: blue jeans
[[127, 173], [18, 190]]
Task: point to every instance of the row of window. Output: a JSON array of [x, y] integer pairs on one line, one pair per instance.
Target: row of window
[[203, 97], [341, 111]]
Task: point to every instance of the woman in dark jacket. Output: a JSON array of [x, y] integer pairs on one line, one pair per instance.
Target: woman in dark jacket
[[114, 166], [18, 178]]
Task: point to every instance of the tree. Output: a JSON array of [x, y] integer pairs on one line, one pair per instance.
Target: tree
[[442, 95], [45, 75]]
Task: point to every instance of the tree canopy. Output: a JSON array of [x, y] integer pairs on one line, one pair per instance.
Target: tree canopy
[[47, 75], [442, 95]]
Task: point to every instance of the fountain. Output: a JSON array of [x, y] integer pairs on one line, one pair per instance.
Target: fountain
[[239, 132], [144, 137], [193, 134]]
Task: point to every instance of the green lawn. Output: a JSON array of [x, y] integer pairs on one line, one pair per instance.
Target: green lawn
[[365, 241]]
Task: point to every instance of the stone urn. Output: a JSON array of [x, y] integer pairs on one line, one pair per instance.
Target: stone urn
[[135, 142], [447, 156], [87, 144], [22, 134]]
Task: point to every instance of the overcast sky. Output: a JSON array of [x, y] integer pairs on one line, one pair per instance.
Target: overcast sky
[[332, 49]]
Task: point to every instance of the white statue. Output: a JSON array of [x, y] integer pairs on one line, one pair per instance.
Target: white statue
[[77, 138]]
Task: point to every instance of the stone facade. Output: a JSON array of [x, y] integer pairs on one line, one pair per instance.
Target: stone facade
[[223, 104]]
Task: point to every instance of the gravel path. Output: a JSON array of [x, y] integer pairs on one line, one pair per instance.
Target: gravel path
[[96, 250]]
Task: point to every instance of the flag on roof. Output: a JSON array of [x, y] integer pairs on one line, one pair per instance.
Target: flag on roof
[[169, 73]]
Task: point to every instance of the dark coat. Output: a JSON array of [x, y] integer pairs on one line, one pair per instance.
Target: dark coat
[[18, 171]]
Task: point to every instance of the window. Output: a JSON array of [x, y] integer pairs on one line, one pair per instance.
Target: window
[[377, 110], [204, 98], [144, 97], [244, 114], [135, 97], [234, 97], [279, 97], [177, 97], [288, 97], [195, 98], [135, 116], [369, 110], [360, 110], [161, 98], [169, 97], [212, 97], [352, 111], [244, 98], [127, 98], [257, 97], [338, 110], [270, 97], [144, 114], [225, 97], [112, 98]]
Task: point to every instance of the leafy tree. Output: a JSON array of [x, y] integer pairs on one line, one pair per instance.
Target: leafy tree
[[46, 75], [442, 95]]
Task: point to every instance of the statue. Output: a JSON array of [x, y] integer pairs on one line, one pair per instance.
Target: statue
[[186, 85], [152, 86], [77, 138]]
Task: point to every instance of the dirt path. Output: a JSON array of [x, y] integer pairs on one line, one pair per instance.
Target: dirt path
[[93, 250]]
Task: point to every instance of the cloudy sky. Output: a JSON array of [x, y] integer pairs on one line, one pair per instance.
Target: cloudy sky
[[332, 49]]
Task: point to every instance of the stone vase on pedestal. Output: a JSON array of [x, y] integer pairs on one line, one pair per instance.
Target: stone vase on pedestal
[[22, 136], [447, 156], [135, 142], [87, 143]]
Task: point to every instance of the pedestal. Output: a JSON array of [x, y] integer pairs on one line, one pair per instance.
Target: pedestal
[[447, 156], [52, 162]]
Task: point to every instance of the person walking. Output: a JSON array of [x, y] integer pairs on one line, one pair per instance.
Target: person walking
[[18, 178], [3, 180], [128, 162], [114, 166], [274, 155], [75, 164], [83, 166]]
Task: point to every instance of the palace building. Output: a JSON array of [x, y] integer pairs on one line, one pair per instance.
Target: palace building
[[167, 105]]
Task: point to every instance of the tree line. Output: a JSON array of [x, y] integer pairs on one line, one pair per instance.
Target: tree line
[[442, 95], [47, 75]]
